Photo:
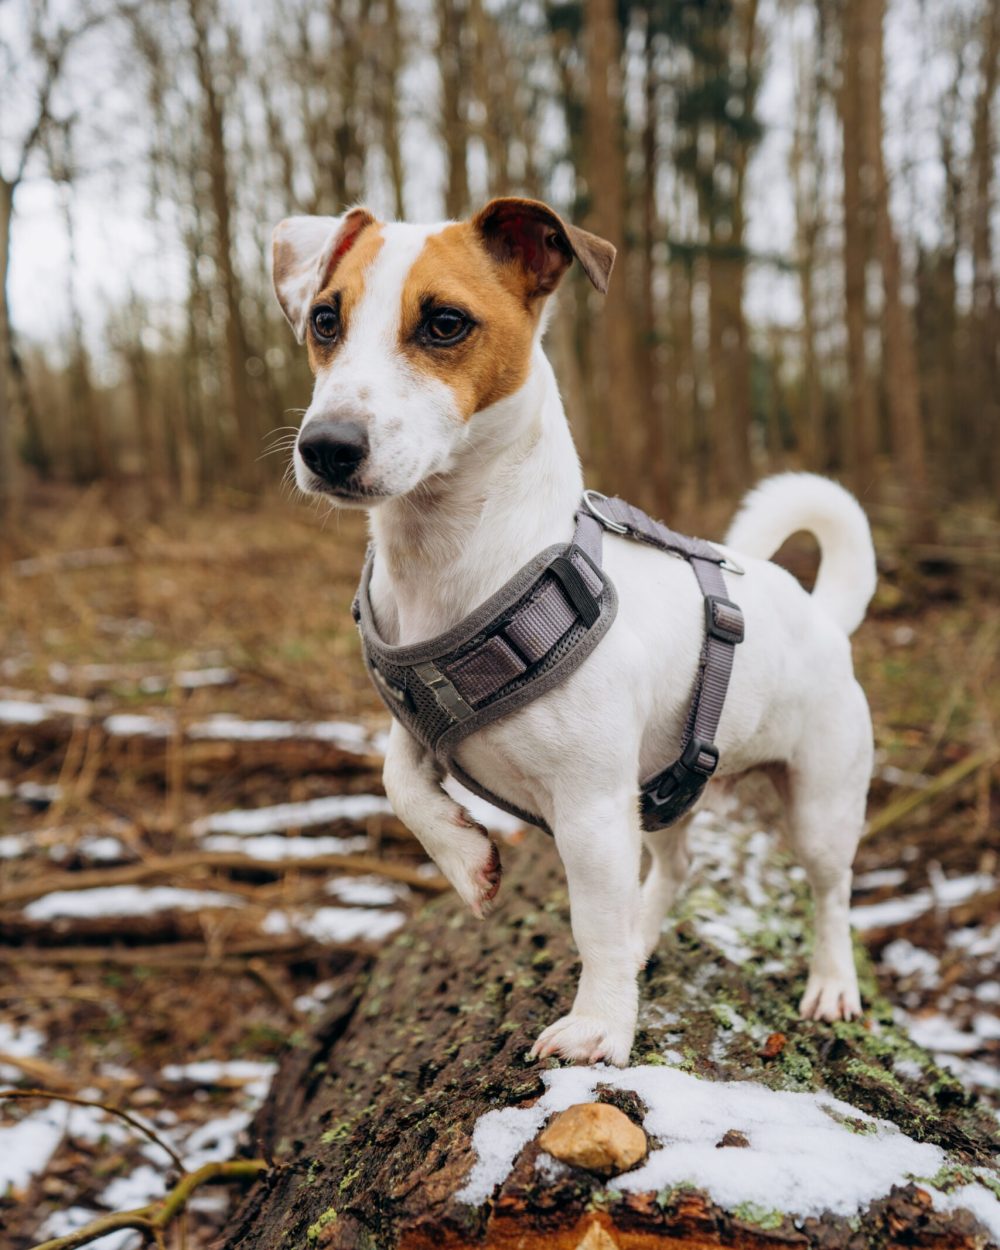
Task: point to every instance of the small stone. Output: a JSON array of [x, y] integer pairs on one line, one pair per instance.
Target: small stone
[[597, 1238], [732, 1137], [595, 1136]]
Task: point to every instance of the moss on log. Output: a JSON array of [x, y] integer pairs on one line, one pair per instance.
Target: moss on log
[[370, 1124]]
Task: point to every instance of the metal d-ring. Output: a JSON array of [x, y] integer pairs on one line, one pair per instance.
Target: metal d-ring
[[588, 500]]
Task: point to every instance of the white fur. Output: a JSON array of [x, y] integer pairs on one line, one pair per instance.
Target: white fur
[[476, 501], [802, 501]]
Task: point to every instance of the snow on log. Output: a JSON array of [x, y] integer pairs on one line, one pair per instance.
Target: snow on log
[[412, 1117]]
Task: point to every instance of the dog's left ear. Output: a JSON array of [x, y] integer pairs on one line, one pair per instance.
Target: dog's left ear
[[536, 238]]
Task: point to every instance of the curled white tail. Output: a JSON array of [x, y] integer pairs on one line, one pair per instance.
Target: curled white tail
[[782, 505]]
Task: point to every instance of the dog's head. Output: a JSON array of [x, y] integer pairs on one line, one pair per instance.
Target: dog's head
[[414, 330]]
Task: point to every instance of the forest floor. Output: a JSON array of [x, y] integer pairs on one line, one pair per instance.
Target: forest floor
[[168, 923]]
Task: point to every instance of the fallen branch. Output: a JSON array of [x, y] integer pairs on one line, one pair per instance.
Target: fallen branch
[[951, 777], [183, 954], [173, 865], [154, 1218], [120, 1112]]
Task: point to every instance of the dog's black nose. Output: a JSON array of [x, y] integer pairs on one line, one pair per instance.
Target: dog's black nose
[[333, 450]]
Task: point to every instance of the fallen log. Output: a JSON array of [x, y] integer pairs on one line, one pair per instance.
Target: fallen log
[[411, 1117], [172, 867], [33, 727]]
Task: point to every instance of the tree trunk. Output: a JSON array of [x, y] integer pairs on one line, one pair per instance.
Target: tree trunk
[[244, 430], [901, 372], [859, 422], [454, 122], [619, 406], [985, 314], [388, 102], [375, 1123], [6, 376]]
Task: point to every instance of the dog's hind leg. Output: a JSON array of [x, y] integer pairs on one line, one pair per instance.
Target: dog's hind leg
[[828, 789], [459, 846], [599, 841], [668, 869]]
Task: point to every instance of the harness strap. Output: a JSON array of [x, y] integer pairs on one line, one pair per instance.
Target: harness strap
[[665, 797], [533, 632]]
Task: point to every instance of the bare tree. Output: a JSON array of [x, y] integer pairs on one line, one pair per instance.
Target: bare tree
[[51, 45]]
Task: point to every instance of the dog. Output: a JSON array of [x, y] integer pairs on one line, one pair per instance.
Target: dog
[[436, 410]]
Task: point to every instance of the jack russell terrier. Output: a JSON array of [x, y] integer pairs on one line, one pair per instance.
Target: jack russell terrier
[[435, 409]]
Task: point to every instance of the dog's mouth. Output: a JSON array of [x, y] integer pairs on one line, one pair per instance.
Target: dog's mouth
[[348, 493]]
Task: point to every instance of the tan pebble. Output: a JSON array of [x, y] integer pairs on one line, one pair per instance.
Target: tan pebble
[[597, 1238], [595, 1136]]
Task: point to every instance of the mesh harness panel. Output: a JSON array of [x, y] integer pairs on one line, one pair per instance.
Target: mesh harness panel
[[536, 630]]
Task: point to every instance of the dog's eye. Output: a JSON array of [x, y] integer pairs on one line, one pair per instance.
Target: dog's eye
[[445, 326], [326, 323]]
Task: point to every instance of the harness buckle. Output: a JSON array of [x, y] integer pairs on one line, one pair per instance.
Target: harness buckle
[[724, 620], [679, 786], [699, 760]]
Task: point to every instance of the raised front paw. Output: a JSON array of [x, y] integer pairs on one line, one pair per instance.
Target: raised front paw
[[831, 998], [471, 862], [585, 1039]]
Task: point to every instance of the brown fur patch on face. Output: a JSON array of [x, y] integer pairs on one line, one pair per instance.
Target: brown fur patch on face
[[454, 270], [348, 283]]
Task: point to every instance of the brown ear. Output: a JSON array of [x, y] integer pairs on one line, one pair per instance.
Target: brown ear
[[305, 252], [535, 237]]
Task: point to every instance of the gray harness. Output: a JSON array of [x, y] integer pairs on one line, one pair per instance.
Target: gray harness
[[536, 630]]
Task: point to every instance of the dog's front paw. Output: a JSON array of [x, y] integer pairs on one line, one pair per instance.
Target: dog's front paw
[[584, 1039], [831, 998], [471, 863]]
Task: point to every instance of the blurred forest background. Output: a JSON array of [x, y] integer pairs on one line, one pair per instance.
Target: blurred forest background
[[803, 192]]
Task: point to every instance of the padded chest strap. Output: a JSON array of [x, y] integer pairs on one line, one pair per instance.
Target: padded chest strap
[[666, 797]]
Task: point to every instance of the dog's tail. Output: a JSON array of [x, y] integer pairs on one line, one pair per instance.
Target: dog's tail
[[782, 505]]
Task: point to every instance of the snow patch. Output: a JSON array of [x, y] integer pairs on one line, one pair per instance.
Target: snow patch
[[802, 1159], [906, 960], [336, 924], [275, 846], [124, 900], [880, 879], [323, 811], [13, 845], [949, 892], [366, 891]]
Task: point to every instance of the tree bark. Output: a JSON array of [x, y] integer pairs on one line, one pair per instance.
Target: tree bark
[[859, 426], [985, 313], [906, 425], [620, 406], [454, 105], [243, 416], [370, 1121]]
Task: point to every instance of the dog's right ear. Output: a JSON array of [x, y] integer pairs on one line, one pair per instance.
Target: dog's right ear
[[304, 254]]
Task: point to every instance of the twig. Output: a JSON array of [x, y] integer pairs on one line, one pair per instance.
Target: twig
[[155, 1217], [171, 865], [37, 1069], [76, 1101], [907, 803]]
